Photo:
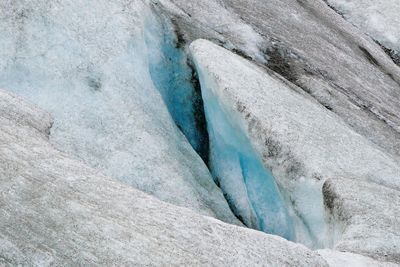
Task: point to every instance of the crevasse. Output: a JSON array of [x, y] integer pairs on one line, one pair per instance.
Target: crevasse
[[248, 186], [176, 82]]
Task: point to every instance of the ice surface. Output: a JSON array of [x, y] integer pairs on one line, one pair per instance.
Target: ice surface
[[248, 185], [346, 259], [89, 68]]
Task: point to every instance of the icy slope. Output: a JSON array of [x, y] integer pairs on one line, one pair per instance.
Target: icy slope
[[304, 144], [57, 211], [89, 68], [312, 47]]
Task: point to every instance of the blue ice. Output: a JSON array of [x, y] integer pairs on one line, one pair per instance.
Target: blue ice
[[173, 78], [249, 187]]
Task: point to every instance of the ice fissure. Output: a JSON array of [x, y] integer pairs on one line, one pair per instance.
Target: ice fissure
[[176, 80], [249, 187]]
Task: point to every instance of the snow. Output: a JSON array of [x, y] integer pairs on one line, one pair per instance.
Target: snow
[[89, 68], [378, 18]]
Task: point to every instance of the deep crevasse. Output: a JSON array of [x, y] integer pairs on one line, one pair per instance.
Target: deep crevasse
[[176, 82]]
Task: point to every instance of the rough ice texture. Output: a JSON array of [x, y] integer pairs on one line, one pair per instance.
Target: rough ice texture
[[304, 144], [311, 46], [378, 18], [86, 63], [56, 211]]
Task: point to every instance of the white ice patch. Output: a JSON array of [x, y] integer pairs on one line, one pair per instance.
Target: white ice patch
[[378, 18]]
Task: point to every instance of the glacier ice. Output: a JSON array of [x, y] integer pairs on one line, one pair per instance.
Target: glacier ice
[[90, 69], [115, 77]]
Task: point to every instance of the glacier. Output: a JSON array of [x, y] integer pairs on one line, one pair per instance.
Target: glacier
[[151, 120], [312, 47], [172, 75]]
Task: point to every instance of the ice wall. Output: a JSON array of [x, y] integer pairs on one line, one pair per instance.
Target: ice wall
[[250, 188]]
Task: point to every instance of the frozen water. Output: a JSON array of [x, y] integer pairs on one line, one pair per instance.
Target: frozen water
[[57, 211]]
